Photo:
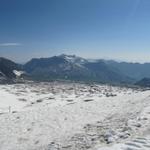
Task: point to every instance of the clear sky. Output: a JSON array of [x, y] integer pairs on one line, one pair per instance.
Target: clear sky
[[112, 29]]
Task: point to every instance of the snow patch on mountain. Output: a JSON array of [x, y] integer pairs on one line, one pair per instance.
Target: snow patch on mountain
[[74, 59], [18, 73]]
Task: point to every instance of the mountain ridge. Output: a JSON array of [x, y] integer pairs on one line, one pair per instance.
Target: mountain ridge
[[72, 67]]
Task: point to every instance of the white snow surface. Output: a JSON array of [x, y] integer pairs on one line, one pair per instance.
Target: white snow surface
[[73, 116]]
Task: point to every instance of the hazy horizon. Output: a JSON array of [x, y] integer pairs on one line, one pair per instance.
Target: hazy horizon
[[89, 58]]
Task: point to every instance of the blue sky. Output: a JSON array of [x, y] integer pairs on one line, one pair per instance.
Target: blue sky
[[112, 29]]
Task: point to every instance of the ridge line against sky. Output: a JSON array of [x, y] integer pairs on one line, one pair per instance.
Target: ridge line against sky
[[117, 29], [88, 58]]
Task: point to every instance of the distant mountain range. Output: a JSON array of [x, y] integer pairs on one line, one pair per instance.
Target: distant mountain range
[[71, 67]]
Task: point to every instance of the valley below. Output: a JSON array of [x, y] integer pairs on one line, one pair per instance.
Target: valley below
[[73, 116]]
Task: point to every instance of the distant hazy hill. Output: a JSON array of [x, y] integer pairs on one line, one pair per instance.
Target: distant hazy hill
[[106, 73], [136, 71], [145, 82]]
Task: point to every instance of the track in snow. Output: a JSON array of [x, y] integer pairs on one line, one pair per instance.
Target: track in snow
[[136, 144]]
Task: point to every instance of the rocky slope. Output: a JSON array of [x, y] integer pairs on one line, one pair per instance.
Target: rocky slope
[[8, 70]]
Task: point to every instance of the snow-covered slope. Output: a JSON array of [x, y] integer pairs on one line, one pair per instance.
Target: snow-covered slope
[[74, 59], [71, 116]]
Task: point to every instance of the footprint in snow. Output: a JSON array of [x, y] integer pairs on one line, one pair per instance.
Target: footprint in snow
[[136, 144]]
